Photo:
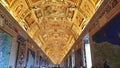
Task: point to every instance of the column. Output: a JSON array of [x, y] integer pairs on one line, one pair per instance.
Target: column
[[20, 61], [13, 53]]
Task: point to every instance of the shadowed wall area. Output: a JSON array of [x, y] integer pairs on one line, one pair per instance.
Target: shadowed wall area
[[107, 44]]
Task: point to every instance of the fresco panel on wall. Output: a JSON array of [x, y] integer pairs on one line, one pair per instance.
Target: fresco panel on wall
[[5, 48]]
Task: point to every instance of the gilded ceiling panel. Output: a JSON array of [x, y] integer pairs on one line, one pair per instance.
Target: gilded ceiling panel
[[9, 1], [88, 8], [18, 8]]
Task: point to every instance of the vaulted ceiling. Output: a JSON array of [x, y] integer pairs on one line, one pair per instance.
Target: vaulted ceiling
[[53, 24]]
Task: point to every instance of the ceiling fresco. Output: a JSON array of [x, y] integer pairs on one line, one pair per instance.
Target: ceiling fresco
[[53, 24]]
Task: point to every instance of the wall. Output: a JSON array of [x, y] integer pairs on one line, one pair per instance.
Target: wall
[[20, 42], [4, 29], [78, 58], [107, 44]]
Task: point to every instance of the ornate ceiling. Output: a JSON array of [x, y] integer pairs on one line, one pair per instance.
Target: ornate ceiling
[[53, 24]]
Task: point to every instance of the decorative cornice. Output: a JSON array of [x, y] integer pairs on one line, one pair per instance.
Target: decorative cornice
[[6, 22]]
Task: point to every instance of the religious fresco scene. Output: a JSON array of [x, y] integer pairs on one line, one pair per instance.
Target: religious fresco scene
[[59, 33], [107, 44]]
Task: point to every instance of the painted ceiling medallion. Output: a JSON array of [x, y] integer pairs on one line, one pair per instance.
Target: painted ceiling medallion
[[53, 24]]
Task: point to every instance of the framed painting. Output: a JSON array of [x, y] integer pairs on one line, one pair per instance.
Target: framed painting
[[107, 44], [30, 60], [5, 49]]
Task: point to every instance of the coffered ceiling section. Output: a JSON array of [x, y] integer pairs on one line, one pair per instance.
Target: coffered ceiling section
[[53, 24]]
